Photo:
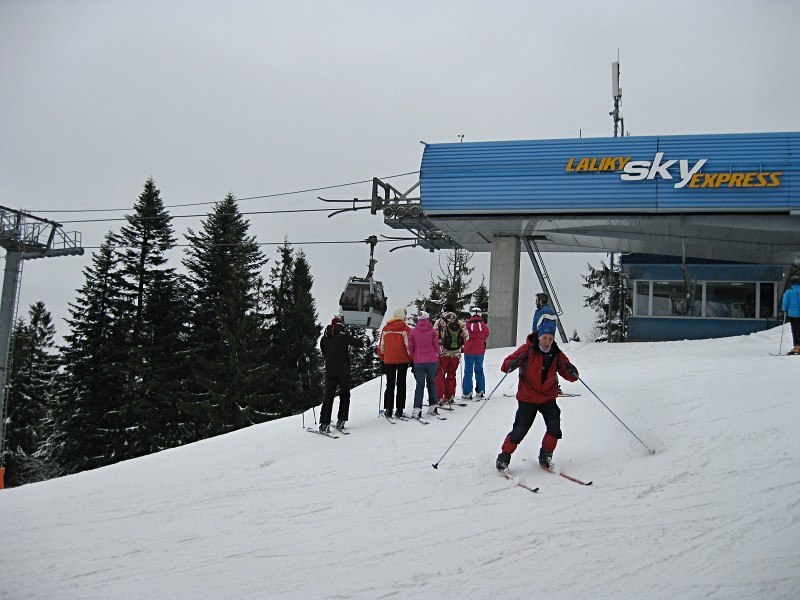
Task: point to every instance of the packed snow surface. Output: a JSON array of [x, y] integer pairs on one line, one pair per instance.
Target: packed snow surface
[[275, 512]]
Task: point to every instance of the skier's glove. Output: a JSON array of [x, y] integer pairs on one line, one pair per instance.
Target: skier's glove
[[572, 370], [513, 364]]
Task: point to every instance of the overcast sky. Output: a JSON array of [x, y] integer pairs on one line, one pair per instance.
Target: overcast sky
[[259, 98]]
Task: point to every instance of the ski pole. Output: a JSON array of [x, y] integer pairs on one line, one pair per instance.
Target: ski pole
[[380, 394], [436, 464], [780, 347], [310, 386], [302, 404], [651, 451]]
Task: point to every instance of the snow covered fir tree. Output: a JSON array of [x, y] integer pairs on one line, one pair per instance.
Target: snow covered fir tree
[[154, 359]]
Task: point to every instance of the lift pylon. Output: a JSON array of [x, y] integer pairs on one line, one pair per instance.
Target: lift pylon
[[24, 237]]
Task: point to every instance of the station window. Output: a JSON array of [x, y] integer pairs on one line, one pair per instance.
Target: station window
[[721, 300], [766, 296], [670, 299], [642, 300], [735, 300]]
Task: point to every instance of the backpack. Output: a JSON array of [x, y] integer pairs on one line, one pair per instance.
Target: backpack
[[452, 338]]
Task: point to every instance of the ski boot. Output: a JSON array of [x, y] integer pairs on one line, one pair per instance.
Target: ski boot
[[546, 460], [502, 461], [324, 427]]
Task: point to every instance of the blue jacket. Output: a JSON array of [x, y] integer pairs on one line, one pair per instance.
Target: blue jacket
[[545, 309], [791, 301]]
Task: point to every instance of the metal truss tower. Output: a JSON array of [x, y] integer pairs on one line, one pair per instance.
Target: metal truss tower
[[24, 237]]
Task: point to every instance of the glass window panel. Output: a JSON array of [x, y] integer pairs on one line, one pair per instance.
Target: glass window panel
[[642, 298], [730, 300], [670, 300], [767, 307]]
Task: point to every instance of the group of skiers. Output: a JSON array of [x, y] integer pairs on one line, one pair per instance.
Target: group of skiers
[[433, 351]]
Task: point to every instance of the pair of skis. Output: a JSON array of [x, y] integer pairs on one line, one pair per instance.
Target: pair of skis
[[507, 395], [419, 420], [505, 473], [328, 434]]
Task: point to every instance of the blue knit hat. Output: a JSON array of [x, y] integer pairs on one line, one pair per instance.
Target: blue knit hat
[[547, 326]]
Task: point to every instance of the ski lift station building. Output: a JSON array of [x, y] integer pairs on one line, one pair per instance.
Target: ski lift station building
[[709, 224]]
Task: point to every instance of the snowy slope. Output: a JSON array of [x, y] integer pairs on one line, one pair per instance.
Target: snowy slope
[[275, 512]]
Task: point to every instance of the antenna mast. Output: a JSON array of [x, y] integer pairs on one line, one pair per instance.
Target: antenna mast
[[616, 93]]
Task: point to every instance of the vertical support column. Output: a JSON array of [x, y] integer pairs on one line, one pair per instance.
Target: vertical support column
[[504, 292], [7, 306]]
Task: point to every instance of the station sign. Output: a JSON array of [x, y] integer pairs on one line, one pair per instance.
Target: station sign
[[684, 173]]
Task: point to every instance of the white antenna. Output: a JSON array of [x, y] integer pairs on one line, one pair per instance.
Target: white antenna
[[616, 93]]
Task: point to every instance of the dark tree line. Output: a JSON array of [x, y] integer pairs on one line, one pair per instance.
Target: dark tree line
[[154, 358]]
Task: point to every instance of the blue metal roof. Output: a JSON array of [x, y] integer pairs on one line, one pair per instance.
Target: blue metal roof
[[743, 172]]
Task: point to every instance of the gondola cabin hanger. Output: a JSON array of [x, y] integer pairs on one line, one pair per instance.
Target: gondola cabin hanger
[[363, 302]]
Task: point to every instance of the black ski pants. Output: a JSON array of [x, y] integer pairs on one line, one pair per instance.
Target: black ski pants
[[795, 325], [331, 383], [526, 413], [395, 377]]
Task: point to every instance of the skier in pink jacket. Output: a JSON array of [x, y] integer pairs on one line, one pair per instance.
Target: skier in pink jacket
[[423, 347]]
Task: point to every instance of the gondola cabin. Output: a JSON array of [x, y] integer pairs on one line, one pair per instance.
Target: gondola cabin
[[363, 303]]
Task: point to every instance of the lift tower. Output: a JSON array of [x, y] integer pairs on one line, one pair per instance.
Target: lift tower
[[24, 236]]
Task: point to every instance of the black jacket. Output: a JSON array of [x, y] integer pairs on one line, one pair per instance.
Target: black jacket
[[335, 346]]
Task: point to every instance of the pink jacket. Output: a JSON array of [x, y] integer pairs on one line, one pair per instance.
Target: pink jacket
[[423, 343], [478, 332]]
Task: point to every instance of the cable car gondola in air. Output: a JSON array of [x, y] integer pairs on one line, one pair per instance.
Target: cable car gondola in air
[[363, 302]]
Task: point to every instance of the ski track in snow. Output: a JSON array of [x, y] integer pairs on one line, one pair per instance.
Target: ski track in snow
[[271, 512]]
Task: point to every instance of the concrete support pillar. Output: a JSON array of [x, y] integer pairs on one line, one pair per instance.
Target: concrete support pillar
[[504, 292]]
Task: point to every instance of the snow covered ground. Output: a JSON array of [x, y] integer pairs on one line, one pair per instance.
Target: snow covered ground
[[275, 512]]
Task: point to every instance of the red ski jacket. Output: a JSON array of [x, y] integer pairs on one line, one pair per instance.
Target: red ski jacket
[[537, 379]]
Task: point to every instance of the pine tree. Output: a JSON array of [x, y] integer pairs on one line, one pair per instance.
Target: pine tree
[[84, 421], [451, 287], [157, 310], [227, 343], [306, 328], [603, 287], [480, 298], [293, 329], [30, 386]]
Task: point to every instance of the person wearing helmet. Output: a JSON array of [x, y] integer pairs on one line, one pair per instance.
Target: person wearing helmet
[[452, 337], [474, 351], [791, 307]]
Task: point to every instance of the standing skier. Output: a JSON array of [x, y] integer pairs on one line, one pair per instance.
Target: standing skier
[[474, 351], [791, 306], [452, 336], [423, 347], [393, 351], [335, 344], [538, 360]]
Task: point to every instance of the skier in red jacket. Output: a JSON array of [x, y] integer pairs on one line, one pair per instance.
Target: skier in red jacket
[[538, 359]]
